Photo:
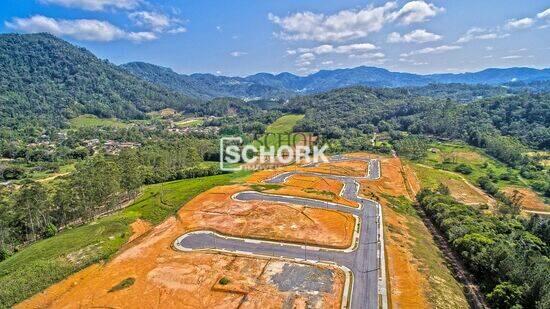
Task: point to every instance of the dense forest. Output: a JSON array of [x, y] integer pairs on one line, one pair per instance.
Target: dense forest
[[340, 112], [508, 255], [45, 80]]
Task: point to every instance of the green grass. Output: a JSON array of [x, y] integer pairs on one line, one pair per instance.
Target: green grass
[[284, 124], [189, 123], [91, 121], [450, 155], [48, 261]]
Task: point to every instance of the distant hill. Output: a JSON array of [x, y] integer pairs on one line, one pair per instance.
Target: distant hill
[[265, 85], [47, 80], [204, 86]]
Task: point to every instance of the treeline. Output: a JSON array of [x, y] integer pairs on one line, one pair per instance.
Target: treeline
[[509, 256], [359, 109], [99, 185]]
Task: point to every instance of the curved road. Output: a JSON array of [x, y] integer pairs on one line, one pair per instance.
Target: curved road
[[363, 259]]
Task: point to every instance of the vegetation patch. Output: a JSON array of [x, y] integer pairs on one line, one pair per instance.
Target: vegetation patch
[[124, 284], [92, 121]]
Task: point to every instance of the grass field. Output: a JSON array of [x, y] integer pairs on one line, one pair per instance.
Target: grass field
[[284, 124], [449, 155], [48, 261], [195, 122], [91, 121]]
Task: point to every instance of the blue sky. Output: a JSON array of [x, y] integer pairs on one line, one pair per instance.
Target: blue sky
[[238, 37]]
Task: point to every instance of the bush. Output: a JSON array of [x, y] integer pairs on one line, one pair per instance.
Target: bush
[[50, 231], [224, 281], [464, 169], [4, 254]]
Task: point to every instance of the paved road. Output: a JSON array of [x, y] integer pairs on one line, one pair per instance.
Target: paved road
[[362, 260]]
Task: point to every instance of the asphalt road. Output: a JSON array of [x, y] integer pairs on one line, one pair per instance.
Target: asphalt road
[[363, 260]]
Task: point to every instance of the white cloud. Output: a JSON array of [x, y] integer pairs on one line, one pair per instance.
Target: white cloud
[[330, 49], [328, 62], [476, 33], [80, 29], [544, 15], [432, 50], [155, 21], [520, 23], [344, 25], [95, 5], [306, 57], [489, 48], [416, 36], [368, 56], [177, 30], [416, 12], [511, 57], [237, 53]]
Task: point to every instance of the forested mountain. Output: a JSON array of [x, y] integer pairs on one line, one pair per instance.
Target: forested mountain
[[525, 116], [204, 86], [265, 85], [46, 80]]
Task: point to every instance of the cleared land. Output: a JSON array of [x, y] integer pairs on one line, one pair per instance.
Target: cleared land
[[91, 121], [48, 261], [284, 124]]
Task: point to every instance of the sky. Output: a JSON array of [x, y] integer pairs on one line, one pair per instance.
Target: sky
[[244, 37]]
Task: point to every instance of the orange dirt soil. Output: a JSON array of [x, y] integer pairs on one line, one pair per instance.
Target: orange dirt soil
[[164, 277], [215, 210], [529, 199], [169, 279], [408, 285]]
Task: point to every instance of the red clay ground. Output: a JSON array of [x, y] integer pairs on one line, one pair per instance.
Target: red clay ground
[[156, 275]]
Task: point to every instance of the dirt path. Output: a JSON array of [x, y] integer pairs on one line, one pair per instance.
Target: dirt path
[[473, 294]]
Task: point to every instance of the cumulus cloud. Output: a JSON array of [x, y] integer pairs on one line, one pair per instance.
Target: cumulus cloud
[[432, 50], [481, 34], [415, 12], [344, 25], [416, 36], [157, 22], [80, 29], [237, 53], [544, 15], [328, 62], [368, 56], [95, 5], [520, 23]]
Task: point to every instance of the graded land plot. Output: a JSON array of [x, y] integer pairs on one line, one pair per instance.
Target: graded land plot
[[148, 272], [418, 274], [48, 261], [215, 210]]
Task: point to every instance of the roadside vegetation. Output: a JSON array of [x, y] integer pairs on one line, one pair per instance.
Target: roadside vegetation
[[45, 262], [508, 255]]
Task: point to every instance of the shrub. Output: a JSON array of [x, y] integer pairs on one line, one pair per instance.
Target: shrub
[[464, 169], [224, 281]]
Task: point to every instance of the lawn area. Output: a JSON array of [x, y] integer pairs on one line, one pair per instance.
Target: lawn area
[[91, 121], [284, 124], [48, 261]]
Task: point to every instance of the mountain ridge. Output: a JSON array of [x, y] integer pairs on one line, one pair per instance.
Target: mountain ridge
[[284, 84]]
